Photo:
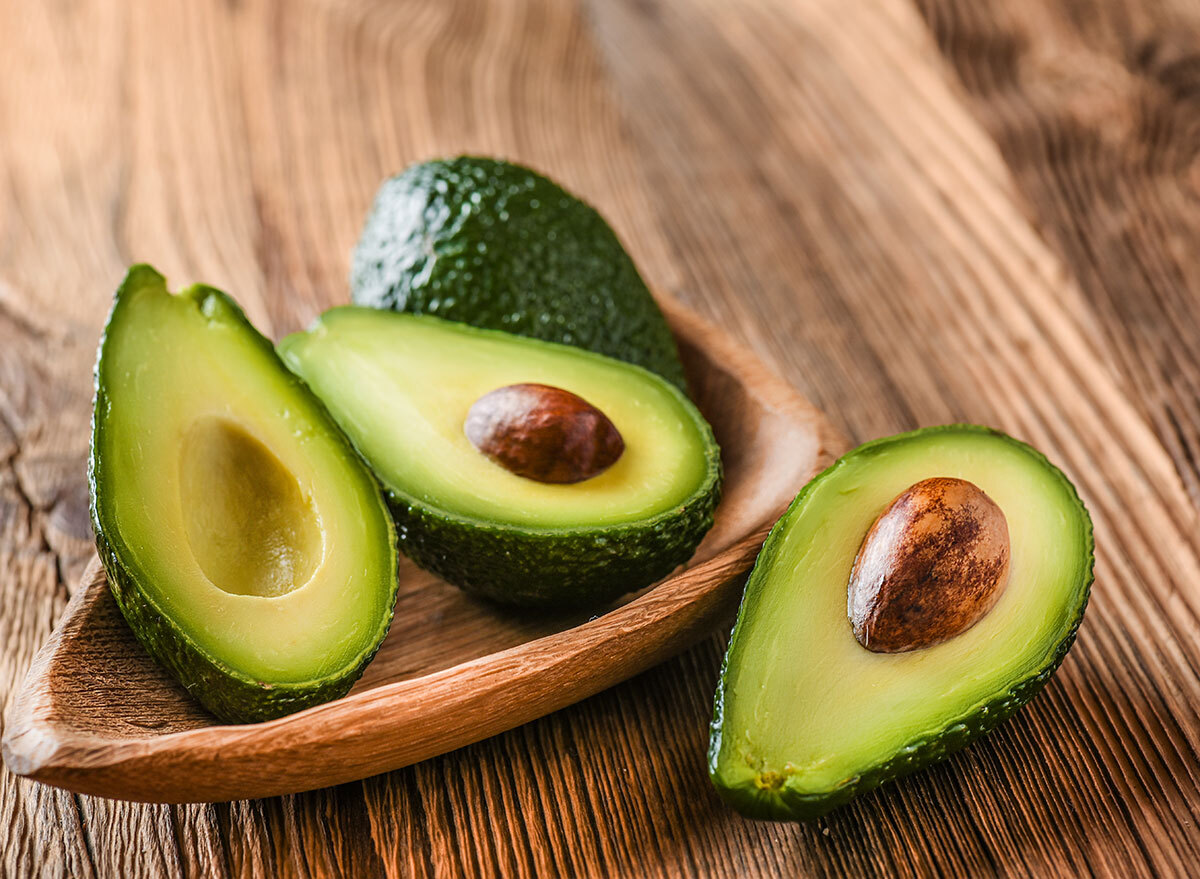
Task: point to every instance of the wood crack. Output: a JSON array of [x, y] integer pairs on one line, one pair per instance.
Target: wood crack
[[86, 833], [35, 513]]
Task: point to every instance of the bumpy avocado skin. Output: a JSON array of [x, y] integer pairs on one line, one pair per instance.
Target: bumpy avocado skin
[[227, 693], [493, 244], [782, 804], [555, 568]]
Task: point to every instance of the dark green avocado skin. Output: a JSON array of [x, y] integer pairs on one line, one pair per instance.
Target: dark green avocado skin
[[496, 245], [226, 692], [785, 805], [555, 568]]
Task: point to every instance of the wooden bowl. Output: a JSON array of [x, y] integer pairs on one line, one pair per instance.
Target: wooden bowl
[[97, 715]]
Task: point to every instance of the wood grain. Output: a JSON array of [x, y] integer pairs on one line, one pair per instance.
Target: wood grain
[[947, 210], [97, 715]]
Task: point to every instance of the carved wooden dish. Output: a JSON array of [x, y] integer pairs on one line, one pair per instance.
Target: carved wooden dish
[[96, 715]]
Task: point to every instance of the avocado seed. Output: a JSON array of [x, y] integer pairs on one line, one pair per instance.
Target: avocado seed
[[931, 566], [543, 433]]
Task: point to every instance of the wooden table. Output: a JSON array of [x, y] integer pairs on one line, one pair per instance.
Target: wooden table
[[958, 210]]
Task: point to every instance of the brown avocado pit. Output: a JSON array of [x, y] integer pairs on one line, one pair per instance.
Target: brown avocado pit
[[543, 433], [931, 566]]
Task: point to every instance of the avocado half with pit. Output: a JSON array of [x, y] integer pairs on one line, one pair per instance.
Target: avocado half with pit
[[914, 595], [404, 387], [246, 544]]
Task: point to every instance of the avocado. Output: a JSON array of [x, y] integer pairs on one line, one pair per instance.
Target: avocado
[[499, 246], [247, 545], [807, 716], [404, 387]]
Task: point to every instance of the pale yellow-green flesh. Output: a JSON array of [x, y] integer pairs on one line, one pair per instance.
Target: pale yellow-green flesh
[[401, 387], [806, 705], [252, 528]]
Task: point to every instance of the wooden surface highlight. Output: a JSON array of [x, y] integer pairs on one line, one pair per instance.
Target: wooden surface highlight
[[918, 212]]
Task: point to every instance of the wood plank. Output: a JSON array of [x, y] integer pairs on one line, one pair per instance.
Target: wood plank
[[911, 219], [812, 175], [1102, 143]]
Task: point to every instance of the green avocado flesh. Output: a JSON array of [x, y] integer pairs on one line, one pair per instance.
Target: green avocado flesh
[[498, 246], [806, 718], [401, 386], [247, 545]]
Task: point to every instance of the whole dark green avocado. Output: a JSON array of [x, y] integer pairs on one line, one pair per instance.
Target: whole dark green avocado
[[497, 245]]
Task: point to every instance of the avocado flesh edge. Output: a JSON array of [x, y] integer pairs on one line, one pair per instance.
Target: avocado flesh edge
[[580, 553], [499, 246], [769, 764], [147, 574]]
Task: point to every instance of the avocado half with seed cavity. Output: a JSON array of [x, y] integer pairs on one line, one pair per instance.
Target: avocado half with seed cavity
[[246, 544], [914, 595], [409, 389]]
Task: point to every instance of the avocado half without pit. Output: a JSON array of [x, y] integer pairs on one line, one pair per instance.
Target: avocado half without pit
[[246, 544], [914, 595], [528, 472]]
